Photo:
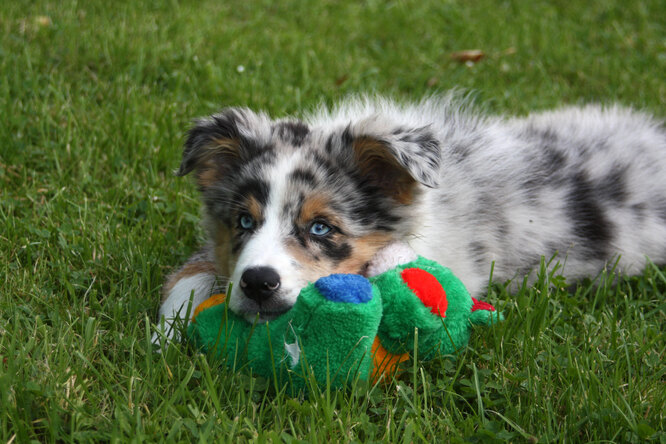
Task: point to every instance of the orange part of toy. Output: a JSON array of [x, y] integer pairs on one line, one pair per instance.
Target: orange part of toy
[[215, 299], [383, 362]]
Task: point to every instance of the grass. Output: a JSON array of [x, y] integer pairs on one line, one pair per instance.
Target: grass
[[94, 99]]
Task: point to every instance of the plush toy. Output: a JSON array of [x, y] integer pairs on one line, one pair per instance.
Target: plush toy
[[345, 327]]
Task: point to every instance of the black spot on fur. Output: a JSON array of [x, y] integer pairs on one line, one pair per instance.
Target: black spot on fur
[[299, 236], [330, 170], [262, 156], [477, 248], [403, 159], [329, 145], [303, 176], [548, 171], [416, 137], [554, 160], [293, 132], [289, 210], [257, 188], [613, 187], [346, 138], [591, 225], [478, 252], [334, 251], [503, 228], [490, 210], [639, 210]]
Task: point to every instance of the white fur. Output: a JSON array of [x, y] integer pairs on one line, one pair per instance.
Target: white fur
[[390, 257], [199, 287]]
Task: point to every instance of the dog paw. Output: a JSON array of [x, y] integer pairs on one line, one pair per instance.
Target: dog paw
[[389, 257]]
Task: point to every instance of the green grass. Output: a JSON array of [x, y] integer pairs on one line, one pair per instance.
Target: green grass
[[94, 99]]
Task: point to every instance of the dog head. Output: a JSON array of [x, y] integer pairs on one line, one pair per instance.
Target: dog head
[[287, 203]]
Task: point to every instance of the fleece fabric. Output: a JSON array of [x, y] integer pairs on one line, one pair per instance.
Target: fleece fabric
[[322, 336], [338, 322], [406, 310]]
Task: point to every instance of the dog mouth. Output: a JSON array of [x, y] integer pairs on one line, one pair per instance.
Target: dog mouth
[[262, 312]]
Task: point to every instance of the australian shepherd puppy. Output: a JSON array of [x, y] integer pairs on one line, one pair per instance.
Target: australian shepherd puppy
[[288, 201]]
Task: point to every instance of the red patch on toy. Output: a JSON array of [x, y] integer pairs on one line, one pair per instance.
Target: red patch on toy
[[427, 288], [480, 305]]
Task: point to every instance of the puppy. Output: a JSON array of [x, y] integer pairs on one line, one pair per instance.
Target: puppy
[[288, 201]]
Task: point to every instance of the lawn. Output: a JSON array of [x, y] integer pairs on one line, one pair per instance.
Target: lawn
[[95, 98]]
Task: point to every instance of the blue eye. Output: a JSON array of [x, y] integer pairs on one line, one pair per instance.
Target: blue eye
[[319, 229], [246, 222]]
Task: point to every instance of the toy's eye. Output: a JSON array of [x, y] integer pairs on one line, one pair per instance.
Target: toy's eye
[[320, 229], [246, 222]]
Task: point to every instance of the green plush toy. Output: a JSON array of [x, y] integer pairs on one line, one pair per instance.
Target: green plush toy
[[344, 327]]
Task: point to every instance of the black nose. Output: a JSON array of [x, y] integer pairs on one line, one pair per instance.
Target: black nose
[[259, 283]]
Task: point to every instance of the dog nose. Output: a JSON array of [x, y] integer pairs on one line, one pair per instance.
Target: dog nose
[[259, 283]]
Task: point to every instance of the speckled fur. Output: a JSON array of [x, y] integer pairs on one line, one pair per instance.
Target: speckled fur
[[587, 184]]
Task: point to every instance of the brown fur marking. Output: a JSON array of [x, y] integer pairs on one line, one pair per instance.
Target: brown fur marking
[[312, 270], [363, 249], [215, 160], [376, 163], [222, 240], [254, 208], [316, 206], [189, 269], [208, 174]]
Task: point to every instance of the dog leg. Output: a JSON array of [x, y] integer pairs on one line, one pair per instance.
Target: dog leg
[[195, 281]]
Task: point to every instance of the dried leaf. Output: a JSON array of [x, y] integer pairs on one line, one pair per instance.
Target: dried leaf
[[468, 55]]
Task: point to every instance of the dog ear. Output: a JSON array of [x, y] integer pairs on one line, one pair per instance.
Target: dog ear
[[395, 159], [215, 145]]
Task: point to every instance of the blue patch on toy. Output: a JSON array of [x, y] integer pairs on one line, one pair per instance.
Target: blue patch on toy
[[350, 288]]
